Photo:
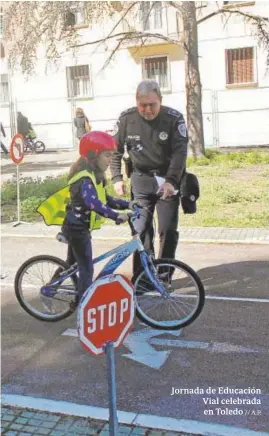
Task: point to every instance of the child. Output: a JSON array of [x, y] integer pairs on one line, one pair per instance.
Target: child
[[88, 201]]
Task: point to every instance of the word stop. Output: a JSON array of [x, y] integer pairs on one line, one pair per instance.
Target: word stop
[[107, 315]]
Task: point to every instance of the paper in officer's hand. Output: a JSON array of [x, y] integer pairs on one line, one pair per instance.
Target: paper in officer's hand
[[161, 181]]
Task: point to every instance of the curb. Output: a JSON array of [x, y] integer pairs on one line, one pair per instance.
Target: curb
[[129, 418], [124, 238]]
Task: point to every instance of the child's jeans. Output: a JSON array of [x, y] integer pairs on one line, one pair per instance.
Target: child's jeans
[[80, 242]]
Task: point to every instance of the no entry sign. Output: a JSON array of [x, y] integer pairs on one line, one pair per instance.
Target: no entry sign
[[106, 313], [16, 148]]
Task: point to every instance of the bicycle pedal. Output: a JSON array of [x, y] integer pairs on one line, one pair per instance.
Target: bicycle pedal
[[47, 291]]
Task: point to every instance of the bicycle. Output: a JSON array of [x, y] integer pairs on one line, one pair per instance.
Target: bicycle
[[168, 293], [33, 146]]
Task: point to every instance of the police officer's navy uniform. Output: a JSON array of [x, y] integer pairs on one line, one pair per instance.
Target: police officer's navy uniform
[[156, 148]]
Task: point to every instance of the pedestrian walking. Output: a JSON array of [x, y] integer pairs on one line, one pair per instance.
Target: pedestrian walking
[[152, 139], [4, 148], [23, 125], [81, 122]]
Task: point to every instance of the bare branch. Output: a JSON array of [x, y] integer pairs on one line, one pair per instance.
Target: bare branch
[[36, 23], [111, 56], [130, 36], [233, 11], [118, 23]]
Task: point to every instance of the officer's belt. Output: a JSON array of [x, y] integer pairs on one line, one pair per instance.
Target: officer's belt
[[151, 173]]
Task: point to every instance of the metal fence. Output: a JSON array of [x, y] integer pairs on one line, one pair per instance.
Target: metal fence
[[232, 118]]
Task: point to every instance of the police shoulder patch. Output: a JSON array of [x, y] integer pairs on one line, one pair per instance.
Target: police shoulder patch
[[173, 112], [128, 111], [182, 130]]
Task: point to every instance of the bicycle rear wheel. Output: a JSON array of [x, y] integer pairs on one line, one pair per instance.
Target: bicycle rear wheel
[[39, 146], [30, 280], [186, 296]]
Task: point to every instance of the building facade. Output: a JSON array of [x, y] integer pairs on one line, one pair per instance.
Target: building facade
[[233, 68]]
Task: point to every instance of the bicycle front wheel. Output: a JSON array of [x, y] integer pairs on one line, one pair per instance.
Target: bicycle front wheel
[[38, 272], [186, 295]]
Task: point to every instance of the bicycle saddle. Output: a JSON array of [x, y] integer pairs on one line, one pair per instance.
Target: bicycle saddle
[[61, 238]]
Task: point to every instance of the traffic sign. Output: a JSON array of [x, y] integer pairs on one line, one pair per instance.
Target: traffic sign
[[106, 313], [16, 148]]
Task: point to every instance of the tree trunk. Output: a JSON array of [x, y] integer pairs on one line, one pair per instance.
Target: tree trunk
[[192, 80]]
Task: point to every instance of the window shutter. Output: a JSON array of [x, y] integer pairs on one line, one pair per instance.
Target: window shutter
[[239, 65]]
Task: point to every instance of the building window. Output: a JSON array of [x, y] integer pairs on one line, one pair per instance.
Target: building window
[[75, 16], [151, 15], [240, 65], [156, 68], [79, 81], [2, 24], [2, 51], [4, 89]]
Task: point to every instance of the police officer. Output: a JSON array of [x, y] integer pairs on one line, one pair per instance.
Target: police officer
[[153, 139]]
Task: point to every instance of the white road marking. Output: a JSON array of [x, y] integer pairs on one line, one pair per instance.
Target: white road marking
[[208, 297], [251, 300], [181, 239], [141, 350]]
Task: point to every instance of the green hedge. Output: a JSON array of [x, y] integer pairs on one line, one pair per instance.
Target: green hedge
[[229, 196]]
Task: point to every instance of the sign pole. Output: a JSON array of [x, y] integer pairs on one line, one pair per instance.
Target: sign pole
[[112, 394], [16, 153], [18, 222], [105, 316], [18, 195]]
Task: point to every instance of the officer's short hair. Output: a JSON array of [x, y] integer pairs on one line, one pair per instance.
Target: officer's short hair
[[147, 86]]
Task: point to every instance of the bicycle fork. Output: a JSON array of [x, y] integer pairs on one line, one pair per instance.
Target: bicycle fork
[[151, 272]]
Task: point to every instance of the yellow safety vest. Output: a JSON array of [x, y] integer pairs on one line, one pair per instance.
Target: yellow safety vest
[[53, 209]]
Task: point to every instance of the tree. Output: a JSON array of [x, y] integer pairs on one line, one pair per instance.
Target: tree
[[50, 23], [192, 79]]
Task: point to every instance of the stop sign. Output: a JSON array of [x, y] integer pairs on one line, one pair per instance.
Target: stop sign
[[106, 313]]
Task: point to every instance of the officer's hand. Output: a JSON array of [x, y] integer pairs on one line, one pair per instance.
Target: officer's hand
[[122, 218], [167, 190], [120, 188]]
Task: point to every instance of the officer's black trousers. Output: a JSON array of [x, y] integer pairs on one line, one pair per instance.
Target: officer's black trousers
[[144, 189]]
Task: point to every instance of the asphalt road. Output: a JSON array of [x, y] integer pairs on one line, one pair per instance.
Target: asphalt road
[[39, 165], [226, 347]]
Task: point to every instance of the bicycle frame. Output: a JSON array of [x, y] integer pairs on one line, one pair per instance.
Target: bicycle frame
[[28, 144], [120, 254]]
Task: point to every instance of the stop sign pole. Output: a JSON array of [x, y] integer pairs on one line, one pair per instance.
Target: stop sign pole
[[112, 389], [106, 314]]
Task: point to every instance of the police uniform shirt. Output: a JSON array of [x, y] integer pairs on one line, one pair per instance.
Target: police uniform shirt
[[156, 145]]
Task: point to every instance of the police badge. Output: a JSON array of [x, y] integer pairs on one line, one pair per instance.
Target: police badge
[[163, 136]]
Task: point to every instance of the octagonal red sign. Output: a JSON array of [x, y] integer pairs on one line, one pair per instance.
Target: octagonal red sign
[[106, 313]]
